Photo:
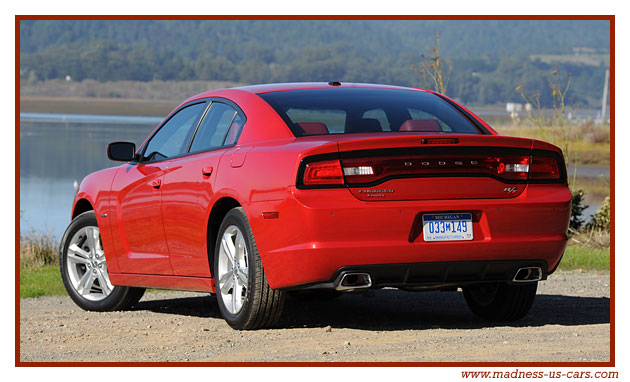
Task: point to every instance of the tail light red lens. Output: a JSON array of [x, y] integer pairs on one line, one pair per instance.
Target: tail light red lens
[[544, 168], [323, 173], [369, 170], [372, 170]]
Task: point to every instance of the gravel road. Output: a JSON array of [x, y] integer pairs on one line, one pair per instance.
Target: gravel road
[[570, 321]]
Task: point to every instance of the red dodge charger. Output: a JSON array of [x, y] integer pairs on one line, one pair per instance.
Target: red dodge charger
[[315, 189]]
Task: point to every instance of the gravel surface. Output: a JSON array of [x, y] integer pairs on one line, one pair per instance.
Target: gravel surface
[[570, 321]]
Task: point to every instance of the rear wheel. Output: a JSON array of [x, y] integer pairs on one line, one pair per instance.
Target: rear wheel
[[245, 299], [501, 301], [84, 269]]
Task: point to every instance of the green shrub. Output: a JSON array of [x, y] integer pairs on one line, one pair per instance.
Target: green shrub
[[601, 219], [577, 208]]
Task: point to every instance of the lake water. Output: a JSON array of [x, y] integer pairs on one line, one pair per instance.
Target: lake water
[[58, 150]]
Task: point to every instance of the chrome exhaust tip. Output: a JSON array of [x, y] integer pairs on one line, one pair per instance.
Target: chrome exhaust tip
[[353, 281], [528, 274]]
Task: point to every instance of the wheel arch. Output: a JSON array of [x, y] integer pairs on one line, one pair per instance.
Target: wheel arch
[[82, 205], [218, 212]]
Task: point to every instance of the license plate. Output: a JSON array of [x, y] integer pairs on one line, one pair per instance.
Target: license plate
[[447, 227]]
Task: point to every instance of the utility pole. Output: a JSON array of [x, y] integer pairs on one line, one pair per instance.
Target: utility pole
[[604, 97]]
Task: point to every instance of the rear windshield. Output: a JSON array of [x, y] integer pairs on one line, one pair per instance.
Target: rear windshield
[[364, 110]]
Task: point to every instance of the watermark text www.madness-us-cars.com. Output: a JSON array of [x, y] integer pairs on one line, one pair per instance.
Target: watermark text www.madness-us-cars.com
[[539, 374]]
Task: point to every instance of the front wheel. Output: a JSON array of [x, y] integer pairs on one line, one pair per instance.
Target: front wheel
[[84, 269], [500, 301], [245, 299]]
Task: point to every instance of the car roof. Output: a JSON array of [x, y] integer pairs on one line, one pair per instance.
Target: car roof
[[267, 88], [279, 87]]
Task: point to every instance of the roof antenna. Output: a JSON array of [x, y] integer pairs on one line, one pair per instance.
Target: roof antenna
[[334, 83]]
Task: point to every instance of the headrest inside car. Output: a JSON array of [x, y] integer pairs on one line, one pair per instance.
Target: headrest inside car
[[365, 125], [313, 128], [421, 125]]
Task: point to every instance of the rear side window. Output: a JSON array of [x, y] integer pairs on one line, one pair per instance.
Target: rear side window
[[367, 110], [214, 127], [235, 130], [172, 138]]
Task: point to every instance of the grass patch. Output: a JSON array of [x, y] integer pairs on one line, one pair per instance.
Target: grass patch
[[39, 265], [43, 281], [581, 257], [46, 281]]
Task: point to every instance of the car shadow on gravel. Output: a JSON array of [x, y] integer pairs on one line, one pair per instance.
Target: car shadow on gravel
[[202, 306], [390, 309]]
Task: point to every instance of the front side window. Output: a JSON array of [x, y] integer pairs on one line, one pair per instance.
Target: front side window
[[171, 139], [214, 127]]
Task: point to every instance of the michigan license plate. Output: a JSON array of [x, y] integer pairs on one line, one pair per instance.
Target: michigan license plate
[[447, 227]]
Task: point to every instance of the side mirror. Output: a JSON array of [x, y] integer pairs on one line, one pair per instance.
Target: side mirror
[[121, 151]]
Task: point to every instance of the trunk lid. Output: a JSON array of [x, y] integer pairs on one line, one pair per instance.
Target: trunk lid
[[425, 167]]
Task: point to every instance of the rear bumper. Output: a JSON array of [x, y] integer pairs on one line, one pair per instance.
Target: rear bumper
[[320, 232], [436, 275]]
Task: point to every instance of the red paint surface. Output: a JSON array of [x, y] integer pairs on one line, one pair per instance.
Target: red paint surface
[[158, 237]]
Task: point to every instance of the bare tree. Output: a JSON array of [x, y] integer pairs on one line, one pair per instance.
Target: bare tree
[[434, 70]]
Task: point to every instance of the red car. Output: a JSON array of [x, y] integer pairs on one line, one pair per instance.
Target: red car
[[258, 192]]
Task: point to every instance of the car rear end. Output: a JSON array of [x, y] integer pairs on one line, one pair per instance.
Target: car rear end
[[413, 207]]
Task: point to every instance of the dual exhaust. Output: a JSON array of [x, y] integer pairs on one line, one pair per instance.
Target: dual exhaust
[[528, 274], [351, 281]]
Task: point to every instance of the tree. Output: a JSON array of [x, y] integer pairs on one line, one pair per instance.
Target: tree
[[432, 69]]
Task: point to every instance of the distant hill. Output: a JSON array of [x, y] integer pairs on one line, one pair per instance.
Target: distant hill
[[489, 58]]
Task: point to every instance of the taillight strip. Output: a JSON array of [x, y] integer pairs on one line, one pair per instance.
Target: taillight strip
[[369, 168]]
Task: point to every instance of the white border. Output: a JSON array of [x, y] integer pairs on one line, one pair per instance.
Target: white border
[[265, 7]]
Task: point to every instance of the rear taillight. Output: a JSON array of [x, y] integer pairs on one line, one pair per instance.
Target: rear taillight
[[323, 173], [511, 167], [544, 168], [370, 170]]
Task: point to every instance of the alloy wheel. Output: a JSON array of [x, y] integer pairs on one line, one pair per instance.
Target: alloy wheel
[[87, 268], [233, 269]]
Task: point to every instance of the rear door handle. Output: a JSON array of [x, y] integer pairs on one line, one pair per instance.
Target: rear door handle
[[207, 171], [156, 183]]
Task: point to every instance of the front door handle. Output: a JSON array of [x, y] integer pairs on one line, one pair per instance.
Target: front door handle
[[207, 171], [156, 183]]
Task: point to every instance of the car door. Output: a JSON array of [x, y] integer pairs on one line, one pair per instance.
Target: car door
[[188, 189], [140, 241]]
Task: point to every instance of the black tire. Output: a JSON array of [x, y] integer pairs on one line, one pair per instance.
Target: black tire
[[120, 298], [500, 301], [315, 295], [261, 306]]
